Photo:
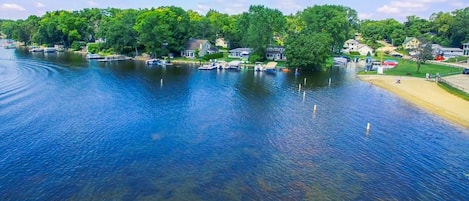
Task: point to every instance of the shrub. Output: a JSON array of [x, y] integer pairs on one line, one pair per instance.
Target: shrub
[[213, 56], [354, 53], [93, 48]]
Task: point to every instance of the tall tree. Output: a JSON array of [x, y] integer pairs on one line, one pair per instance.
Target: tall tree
[[423, 53], [118, 30], [460, 28], [330, 19], [307, 49]]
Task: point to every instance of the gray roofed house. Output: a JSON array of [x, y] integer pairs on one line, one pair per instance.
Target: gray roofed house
[[240, 53], [202, 46]]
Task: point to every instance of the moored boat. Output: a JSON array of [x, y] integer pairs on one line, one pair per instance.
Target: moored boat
[[115, 58], [94, 56]]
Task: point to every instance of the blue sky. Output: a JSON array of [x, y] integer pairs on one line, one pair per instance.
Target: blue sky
[[376, 9]]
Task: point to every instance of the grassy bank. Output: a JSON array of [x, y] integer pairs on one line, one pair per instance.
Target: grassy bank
[[454, 91], [409, 68]]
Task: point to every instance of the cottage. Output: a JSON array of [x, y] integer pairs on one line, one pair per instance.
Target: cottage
[[275, 53], [221, 42], [240, 53], [364, 49], [198, 46], [411, 43], [448, 52], [350, 45], [465, 48]]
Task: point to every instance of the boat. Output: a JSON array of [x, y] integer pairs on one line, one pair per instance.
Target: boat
[[211, 66], [389, 63], [259, 67], [271, 67], [36, 49], [234, 65], [94, 56], [340, 61], [50, 50], [153, 62], [115, 58], [9, 45]]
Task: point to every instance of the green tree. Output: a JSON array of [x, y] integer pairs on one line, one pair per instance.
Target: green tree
[[308, 50], [460, 27], [330, 19], [423, 53], [118, 30]]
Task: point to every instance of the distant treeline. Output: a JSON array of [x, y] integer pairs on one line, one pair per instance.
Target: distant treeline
[[309, 36]]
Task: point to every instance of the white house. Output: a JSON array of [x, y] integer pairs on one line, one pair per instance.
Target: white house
[[221, 42], [363, 49], [411, 43], [194, 46], [241, 53], [275, 53], [465, 48], [350, 45]]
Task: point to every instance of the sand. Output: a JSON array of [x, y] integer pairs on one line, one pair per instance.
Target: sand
[[425, 94]]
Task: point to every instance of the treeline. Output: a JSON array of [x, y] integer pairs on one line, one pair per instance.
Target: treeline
[[309, 36]]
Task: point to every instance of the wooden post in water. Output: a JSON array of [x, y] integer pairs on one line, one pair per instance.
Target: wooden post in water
[[161, 81], [304, 95], [305, 82], [299, 87], [368, 127], [330, 80], [315, 108]]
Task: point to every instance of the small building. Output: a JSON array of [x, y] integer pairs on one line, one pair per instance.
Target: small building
[[465, 49], [241, 53], [221, 42], [198, 46], [449, 52], [364, 49], [351, 45], [411, 43], [275, 53]]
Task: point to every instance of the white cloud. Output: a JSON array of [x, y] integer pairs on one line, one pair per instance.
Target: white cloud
[[40, 5], [289, 6], [459, 4], [11, 7], [402, 8]]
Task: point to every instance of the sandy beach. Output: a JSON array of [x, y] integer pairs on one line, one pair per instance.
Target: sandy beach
[[425, 94]]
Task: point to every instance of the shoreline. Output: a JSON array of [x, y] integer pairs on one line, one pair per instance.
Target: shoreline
[[424, 94]]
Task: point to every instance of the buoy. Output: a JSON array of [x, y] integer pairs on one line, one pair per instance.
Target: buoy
[[299, 87], [305, 82], [330, 80], [315, 108], [368, 127]]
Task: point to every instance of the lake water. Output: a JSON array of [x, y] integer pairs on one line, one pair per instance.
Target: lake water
[[78, 130]]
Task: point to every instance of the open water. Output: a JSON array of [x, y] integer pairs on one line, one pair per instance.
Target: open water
[[72, 129]]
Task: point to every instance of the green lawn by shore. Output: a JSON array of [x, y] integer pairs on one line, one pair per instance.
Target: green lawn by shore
[[409, 68]]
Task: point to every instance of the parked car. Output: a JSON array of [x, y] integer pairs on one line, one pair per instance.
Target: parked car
[[465, 71]]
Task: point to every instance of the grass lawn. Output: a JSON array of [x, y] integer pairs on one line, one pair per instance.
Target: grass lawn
[[409, 68], [454, 91]]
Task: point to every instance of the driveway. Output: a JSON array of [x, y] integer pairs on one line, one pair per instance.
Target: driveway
[[459, 81]]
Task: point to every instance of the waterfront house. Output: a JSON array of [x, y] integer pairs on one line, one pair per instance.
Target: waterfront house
[[465, 48], [446, 52], [351, 45], [198, 46], [275, 53], [221, 42], [363, 49], [240, 53], [411, 43]]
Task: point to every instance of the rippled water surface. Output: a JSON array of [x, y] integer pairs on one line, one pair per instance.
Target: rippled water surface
[[73, 129]]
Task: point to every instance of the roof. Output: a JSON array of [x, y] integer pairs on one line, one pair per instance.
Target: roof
[[351, 41], [360, 46], [275, 49], [241, 50], [408, 39], [194, 44], [452, 49]]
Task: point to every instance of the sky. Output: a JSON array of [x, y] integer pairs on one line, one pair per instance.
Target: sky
[[374, 9]]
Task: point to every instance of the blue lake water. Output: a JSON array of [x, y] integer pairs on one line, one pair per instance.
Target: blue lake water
[[73, 129]]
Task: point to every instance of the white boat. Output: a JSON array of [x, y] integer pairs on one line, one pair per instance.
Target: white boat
[[94, 56], [211, 66], [36, 49], [271, 67], [234, 65], [9, 45], [50, 50], [259, 67], [153, 62], [115, 58], [340, 61]]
